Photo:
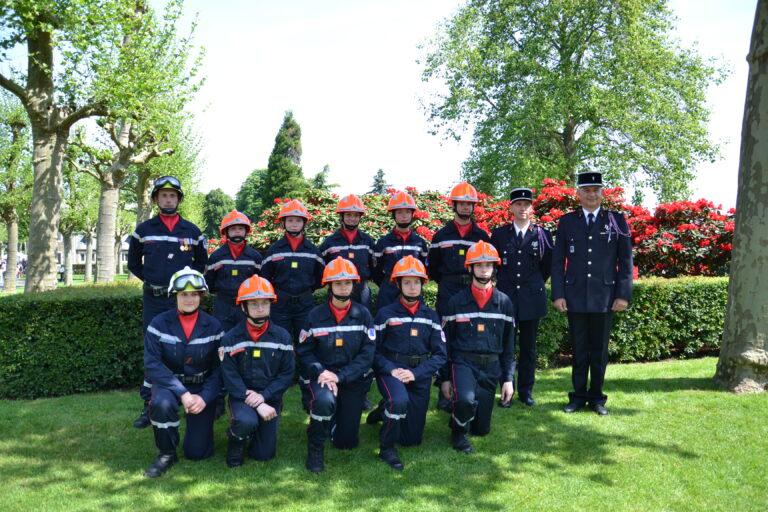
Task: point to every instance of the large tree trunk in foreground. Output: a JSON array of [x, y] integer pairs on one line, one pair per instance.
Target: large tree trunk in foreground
[[12, 262], [89, 258], [743, 364], [105, 233]]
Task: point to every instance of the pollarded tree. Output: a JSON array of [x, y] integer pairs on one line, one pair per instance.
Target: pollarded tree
[[284, 178], [554, 88], [743, 363], [217, 204]]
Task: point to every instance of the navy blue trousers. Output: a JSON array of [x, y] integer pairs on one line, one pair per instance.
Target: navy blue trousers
[[246, 423], [474, 390], [405, 410], [589, 335], [336, 416], [526, 363], [153, 306], [164, 414]]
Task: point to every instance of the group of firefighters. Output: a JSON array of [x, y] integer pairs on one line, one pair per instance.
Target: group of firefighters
[[266, 332]]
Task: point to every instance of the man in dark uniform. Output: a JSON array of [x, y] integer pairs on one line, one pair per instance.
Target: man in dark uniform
[[158, 248], [353, 244], [526, 259], [591, 278]]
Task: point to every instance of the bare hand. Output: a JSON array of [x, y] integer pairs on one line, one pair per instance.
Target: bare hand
[[266, 411], [507, 391], [619, 304], [193, 404], [446, 389], [329, 380], [560, 305], [253, 399], [403, 375]]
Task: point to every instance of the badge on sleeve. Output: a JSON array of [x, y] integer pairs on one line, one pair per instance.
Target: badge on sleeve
[[372, 334], [303, 336], [221, 353], [442, 336]]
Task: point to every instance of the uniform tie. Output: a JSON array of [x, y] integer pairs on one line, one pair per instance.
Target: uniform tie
[[590, 220], [519, 237]]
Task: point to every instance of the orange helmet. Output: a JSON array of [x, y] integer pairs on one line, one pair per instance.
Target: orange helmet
[[401, 200], [351, 204], [339, 270], [293, 208], [409, 267], [480, 252], [463, 192], [234, 218], [255, 287]]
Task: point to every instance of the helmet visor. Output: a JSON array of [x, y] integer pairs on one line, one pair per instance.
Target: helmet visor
[[189, 283]]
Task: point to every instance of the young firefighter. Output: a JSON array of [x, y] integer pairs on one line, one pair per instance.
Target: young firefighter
[[400, 242], [335, 351], [257, 367], [180, 349], [410, 348], [229, 266], [159, 247], [480, 330], [353, 244], [445, 263], [526, 259]]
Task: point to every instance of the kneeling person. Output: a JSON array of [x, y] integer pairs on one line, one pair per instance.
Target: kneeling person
[[257, 367], [180, 357]]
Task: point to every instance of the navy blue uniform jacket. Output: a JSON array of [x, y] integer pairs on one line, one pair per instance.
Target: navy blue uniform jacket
[[155, 254], [265, 366], [224, 274], [397, 330], [293, 272], [448, 250], [524, 268], [590, 268], [346, 349], [487, 331], [168, 353], [390, 249], [359, 252]]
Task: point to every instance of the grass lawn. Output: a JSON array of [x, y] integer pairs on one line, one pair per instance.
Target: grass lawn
[[673, 441]]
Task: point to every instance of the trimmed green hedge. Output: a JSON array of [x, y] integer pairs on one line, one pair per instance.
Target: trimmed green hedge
[[88, 338]]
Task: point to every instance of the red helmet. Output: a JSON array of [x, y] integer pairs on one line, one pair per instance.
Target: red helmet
[[409, 267], [255, 287], [481, 251], [339, 270], [234, 218], [401, 200], [293, 208], [351, 204], [463, 192]]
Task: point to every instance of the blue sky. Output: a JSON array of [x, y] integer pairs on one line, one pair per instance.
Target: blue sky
[[348, 71]]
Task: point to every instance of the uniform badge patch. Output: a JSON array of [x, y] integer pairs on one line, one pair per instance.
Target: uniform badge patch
[[294, 264], [442, 336], [414, 332], [339, 342], [221, 353], [351, 255], [257, 353], [461, 252], [234, 271], [303, 336], [480, 327], [372, 334]]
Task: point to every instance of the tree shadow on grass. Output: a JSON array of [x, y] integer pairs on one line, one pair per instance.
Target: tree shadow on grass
[[664, 385]]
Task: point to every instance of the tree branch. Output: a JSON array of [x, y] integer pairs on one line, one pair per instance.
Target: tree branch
[[15, 88], [80, 168], [88, 110]]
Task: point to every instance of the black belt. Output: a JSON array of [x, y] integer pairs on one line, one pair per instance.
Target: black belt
[[404, 359], [475, 357], [283, 295], [196, 378], [462, 279], [156, 291]]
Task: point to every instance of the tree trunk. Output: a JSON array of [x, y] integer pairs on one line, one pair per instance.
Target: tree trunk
[[118, 254], [89, 259], [13, 261], [743, 363], [105, 233], [68, 238], [144, 208]]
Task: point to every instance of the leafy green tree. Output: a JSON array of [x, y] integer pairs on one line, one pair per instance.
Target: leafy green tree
[[217, 204], [320, 180], [379, 185], [284, 178], [554, 88], [249, 198], [79, 212]]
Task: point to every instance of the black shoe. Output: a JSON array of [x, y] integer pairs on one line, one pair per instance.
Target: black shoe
[[161, 465], [530, 402], [315, 458], [367, 405], [572, 407], [460, 442], [444, 404], [600, 409], [505, 405], [219, 408], [389, 455], [235, 452], [375, 416], [143, 420]]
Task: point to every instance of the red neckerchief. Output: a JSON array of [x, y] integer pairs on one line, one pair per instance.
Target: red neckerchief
[[170, 221], [403, 236], [463, 230], [339, 313], [294, 242], [349, 235], [188, 322], [411, 309], [482, 296], [236, 249], [256, 332]]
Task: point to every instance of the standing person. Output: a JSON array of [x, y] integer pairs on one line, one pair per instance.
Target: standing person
[[526, 260], [410, 348], [591, 278], [336, 352], [480, 329], [180, 349], [353, 244], [229, 266], [395, 245], [257, 367], [448, 249], [158, 248]]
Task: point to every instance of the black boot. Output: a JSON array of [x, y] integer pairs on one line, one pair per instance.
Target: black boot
[[143, 420], [235, 452], [367, 405], [375, 416], [389, 455], [315, 458], [460, 442], [161, 465]]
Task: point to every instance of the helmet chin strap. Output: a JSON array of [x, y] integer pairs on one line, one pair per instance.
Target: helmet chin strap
[[187, 313], [258, 320], [481, 280], [168, 211], [349, 227], [464, 217], [342, 298], [403, 225], [236, 239]]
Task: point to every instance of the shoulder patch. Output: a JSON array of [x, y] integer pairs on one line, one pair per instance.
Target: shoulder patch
[[442, 336], [372, 334], [221, 353], [303, 336]]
